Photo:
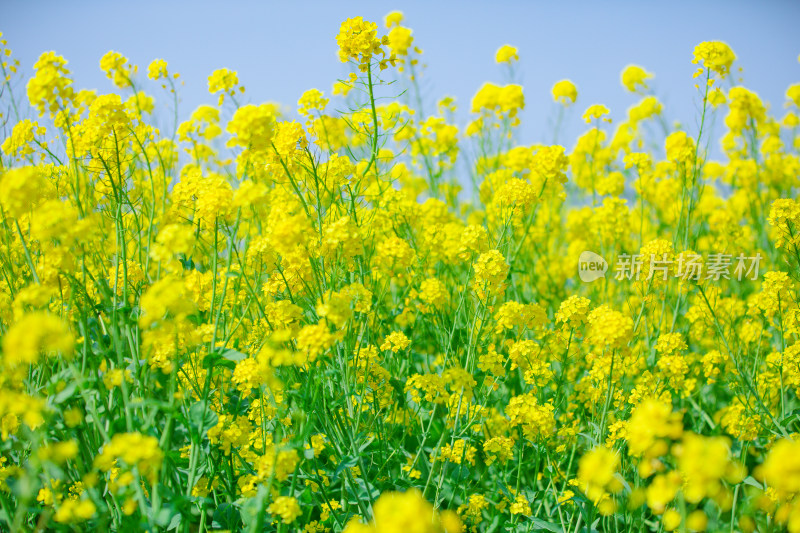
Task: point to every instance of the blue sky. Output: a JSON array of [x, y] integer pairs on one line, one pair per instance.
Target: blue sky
[[280, 49]]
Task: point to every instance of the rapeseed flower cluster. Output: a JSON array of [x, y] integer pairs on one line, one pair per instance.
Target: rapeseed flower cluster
[[374, 320]]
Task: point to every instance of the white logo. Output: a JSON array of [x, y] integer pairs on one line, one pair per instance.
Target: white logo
[[591, 266]]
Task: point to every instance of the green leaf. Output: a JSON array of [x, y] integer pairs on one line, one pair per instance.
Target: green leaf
[[366, 443], [200, 414], [227, 516], [750, 480], [504, 490], [347, 462], [215, 360], [541, 524], [175, 522], [65, 394], [165, 517], [233, 355]]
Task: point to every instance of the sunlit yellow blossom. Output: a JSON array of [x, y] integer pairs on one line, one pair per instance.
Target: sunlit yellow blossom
[[34, 335], [506, 54], [595, 112], [117, 69], [680, 147], [358, 41], [716, 56], [565, 92], [635, 78], [225, 82], [131, 450], [157, 69], [286, 508]]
